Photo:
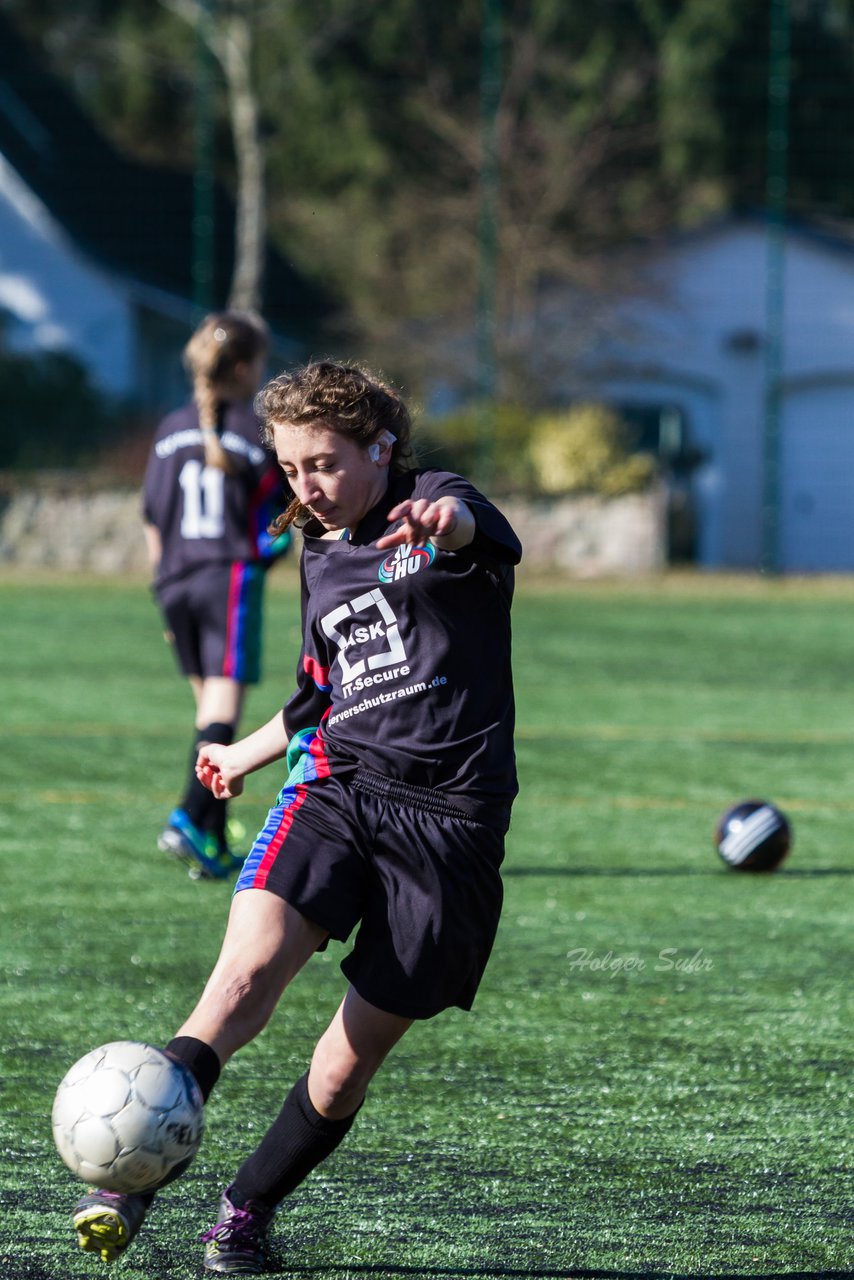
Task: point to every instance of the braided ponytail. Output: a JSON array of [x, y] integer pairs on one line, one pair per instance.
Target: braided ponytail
[[224, 340]]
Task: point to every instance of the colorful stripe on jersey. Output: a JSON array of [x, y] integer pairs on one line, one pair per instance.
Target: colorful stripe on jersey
[[242, 660], [318, 752], [307, 762], [265, 507], [319, 674]]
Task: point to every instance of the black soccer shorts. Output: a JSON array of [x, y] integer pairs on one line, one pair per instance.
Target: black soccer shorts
[[214, 616], [418, 877]]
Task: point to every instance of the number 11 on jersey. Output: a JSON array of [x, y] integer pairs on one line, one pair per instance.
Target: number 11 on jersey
[[203, 501]]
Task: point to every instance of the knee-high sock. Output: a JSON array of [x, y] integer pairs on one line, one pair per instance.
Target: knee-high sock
[[204, 1066], [200, 1060], [203, 808], [296, 1142]]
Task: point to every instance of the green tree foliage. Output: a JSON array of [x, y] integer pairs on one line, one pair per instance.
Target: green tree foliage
[[616, 119], [456, 442], [821, 108], [587, 448], [52, 415]]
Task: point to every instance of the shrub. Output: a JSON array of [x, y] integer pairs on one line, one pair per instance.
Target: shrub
[[585, 450], [490, 446]]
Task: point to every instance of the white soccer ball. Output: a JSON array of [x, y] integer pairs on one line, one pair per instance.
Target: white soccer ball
[[127, 1118]]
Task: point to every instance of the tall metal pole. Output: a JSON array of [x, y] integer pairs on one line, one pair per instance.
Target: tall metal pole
[[203, 173], [487, 317], [775, 301]]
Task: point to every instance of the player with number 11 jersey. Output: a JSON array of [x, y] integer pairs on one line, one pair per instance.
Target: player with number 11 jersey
[[206, 516], [210, 492]]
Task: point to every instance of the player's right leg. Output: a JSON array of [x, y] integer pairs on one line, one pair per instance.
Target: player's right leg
[[266, 944]]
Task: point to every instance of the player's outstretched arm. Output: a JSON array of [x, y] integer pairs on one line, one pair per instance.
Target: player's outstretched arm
[[447, 522], [222, 769]]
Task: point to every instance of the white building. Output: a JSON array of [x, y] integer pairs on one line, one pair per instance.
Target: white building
[[693, 342], [96, 251]]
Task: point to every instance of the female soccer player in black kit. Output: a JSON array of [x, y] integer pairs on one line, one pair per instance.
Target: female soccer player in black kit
[[399, 742], [210, 494]]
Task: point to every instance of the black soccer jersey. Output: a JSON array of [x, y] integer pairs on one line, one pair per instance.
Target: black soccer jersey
[[406, 654], [205, 515]]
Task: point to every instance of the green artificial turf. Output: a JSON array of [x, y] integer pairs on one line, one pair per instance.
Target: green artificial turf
[[656, 1078]]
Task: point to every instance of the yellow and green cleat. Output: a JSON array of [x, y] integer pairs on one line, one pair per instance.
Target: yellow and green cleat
[[107, 1221]]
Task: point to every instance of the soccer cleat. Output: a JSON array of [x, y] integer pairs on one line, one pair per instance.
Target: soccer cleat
[[106, 1222], [206, 857], [237, 1245], [235, 832], [233, 861]]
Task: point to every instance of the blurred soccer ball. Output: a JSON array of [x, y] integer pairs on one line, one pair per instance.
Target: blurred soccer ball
[[127, 1118], [753, 836]]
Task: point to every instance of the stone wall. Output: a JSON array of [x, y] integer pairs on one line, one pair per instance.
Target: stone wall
[[56, 525], [62, 523], [590, 537]]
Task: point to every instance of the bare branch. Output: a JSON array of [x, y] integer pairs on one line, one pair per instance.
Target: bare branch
[[229, 37]]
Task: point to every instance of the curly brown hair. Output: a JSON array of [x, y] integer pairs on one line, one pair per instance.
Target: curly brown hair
[[346, 398]]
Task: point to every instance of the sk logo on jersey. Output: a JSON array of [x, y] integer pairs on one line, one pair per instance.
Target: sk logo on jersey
[[376, 638], [406, 560]]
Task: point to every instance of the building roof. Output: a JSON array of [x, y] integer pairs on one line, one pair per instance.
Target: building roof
[[132, 219], [836, 235]]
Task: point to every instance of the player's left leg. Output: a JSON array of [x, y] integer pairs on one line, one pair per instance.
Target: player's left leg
[[349, 1054], [220, 700], [316, 1116], [196, 829], [218, 716]]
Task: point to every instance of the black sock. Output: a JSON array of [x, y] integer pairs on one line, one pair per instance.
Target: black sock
[[217, 810], [196, 799], [296, 1142], [199, 1059], [200, 805], [204, 1066]]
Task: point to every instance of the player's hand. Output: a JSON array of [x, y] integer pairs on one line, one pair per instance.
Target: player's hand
[[423, 520], [215, 769]]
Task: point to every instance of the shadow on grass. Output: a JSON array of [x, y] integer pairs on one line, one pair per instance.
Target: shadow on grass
[[511, 1273], [610, 872], [28, 1271], [676, 872]]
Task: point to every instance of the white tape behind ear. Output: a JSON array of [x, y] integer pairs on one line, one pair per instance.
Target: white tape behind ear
[[374, 450]]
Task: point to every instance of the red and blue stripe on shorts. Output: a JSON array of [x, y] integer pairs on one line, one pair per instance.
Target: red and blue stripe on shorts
[[307, 763], [242, 660]]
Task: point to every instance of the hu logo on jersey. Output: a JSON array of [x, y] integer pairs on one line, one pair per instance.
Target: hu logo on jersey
[[406, 560]]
